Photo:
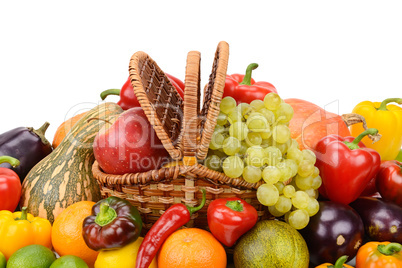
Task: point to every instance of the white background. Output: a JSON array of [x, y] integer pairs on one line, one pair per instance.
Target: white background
[[57, 56]]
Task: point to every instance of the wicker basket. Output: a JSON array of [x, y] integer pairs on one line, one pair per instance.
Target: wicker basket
[[185, 129]]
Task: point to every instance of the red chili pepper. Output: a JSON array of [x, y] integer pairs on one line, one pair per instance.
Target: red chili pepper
[[345, 167], [230, 218], [389, 181], [173, 218], [10, 184], [129, 100], [243, 88]]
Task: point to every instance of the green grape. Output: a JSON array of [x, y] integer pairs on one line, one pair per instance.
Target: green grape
[[298, 219], [271, 174], [252, 174], [266, 134], [231, 146], [255, 156], [300, 199], [274, 212], [265, 143], [312, 193], [283, 204], [253, 138], [235, 116], [222, 119], [217, 139], [257, 105], [306, 168], [256, 122], [220, 129], [243, 148], [242, 107], [227, 105], [269, 115], [316, 183], [247, 112], [284, 113], [267, 194], [274, 156], [233, 166], [309, 156], [238, 130], [289, 191], [303, 183], [295, 154], [281, 133], [313, 207], [213, 162], [293, 144], [292, 165], [272, 101], [285, 170], [280, 186], [283, 147]]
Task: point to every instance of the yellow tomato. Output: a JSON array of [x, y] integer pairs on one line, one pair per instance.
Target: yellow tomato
[[124, 257]]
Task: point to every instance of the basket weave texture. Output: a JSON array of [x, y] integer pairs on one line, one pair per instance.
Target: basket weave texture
[[185, 128]]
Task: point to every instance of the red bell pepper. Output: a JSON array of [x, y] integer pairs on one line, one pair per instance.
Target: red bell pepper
[[172, 219], [243, 88], [129, 100], [389, 181], [230, 218], [10, 184], [345, 167]]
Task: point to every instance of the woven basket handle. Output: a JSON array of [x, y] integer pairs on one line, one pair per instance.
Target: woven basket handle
[[191, 104]]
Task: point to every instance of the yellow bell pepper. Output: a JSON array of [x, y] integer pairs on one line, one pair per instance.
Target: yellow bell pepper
[[20, 229], [385, 117]]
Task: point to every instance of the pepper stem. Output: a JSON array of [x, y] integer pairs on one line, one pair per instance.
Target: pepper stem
[[355, 143], [235, 205], [14, 162], [24, 214], [389, 249], [195, 209], [106, 214], [247, 76], [113, 91], [383, 105], [339, 262]]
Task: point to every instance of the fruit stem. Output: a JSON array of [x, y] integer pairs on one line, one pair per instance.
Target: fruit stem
[[107, 92], [195, 209], [106, 214], [383, 105], [24, 215], [389, 249], [340, 262], [355, 143], [247, 76], [235, 205], [14, 162]]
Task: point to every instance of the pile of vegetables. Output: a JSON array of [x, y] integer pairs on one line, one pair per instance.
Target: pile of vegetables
[[338, 195]]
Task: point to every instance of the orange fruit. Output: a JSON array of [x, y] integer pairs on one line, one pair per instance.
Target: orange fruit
[[64, 128], [67, 232], [193, 248]]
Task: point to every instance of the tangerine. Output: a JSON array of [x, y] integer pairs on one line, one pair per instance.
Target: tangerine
[[67, 236], [192, 247], [64, 128]]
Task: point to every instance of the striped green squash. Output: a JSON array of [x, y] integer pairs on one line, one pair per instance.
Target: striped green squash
[[65, 177]]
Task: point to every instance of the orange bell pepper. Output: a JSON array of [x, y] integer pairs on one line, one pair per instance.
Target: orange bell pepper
[[20, 229], [340, 263], [379, 255]]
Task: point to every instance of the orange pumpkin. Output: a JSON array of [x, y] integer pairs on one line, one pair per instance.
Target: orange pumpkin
[[64, 128], [310, 123]]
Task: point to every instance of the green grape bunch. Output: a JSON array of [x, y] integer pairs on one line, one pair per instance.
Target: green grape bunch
[[253, 142]]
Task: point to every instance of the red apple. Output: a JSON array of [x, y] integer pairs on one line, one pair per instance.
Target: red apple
[[129, 145]]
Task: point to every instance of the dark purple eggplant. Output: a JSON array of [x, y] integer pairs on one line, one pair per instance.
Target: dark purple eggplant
[[26, 144], [336, 230], [382, 220]]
